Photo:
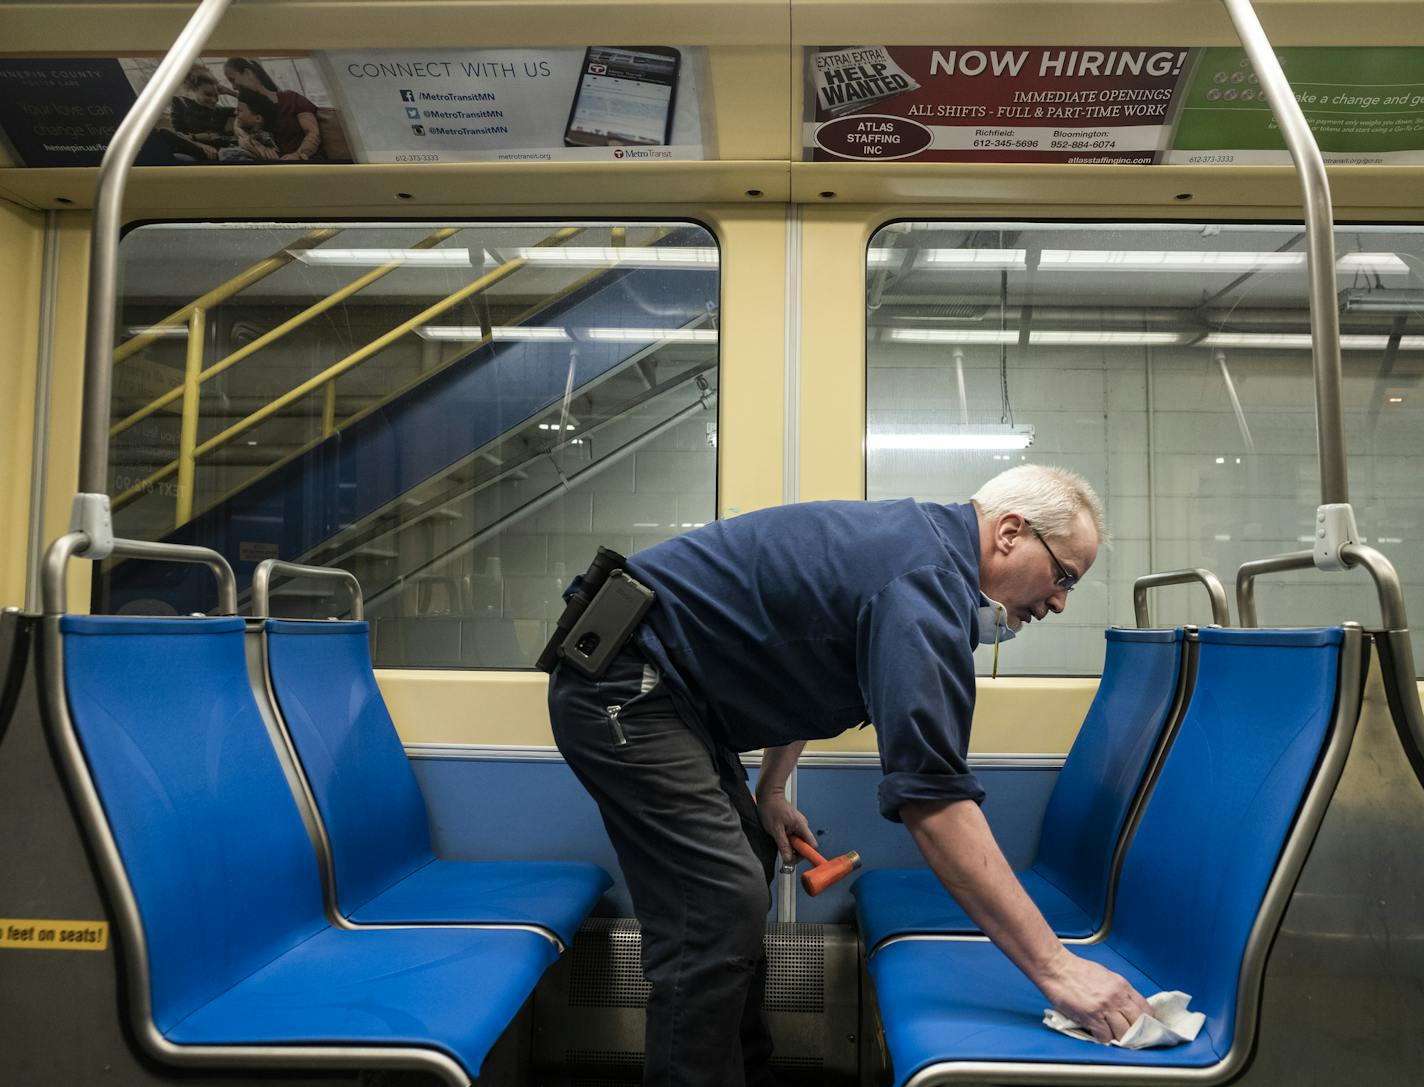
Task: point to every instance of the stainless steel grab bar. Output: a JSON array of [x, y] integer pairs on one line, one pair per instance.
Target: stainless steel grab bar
[[262, 584], [1220, 610], [73, 543], [91, 505], [1320, 249]]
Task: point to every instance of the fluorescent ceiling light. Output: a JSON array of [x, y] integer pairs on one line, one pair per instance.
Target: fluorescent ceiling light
[[1385, 264], [954, 335], [1125, 260], [1302, 340], [1045, 337], [987, 437], [172, 332], [365, 258], [1105, 337], [644, 335], [607, 256], [473, 333], [983, 259]]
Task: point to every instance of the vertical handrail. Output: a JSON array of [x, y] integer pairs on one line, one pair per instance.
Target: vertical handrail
[[192, 405], [1336, 544], [1320, 263], [91, 504]]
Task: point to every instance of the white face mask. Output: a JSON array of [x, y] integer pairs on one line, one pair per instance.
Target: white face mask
[[994, 623]]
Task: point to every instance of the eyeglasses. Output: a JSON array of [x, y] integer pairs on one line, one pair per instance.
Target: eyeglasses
[[1065, 581]]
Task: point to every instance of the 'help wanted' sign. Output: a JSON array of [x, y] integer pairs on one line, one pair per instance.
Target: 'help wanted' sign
[[851, 79]]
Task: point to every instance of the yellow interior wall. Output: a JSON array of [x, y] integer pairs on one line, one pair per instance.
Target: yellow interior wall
[[66, 391], [21, 253]]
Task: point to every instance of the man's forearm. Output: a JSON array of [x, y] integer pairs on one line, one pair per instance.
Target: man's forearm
[[956, 840], [776, 766]]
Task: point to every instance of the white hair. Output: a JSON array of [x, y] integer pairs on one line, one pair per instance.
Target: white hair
[[1050, 498]]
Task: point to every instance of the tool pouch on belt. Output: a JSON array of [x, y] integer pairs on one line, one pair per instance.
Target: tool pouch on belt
[[600, 617]]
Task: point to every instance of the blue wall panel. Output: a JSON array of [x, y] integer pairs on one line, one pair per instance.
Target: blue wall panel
[[512, 809]]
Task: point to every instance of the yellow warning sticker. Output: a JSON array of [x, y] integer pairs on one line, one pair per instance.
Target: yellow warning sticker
[[54, 935]]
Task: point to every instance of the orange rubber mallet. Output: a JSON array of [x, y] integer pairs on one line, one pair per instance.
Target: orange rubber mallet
[[823, 873]]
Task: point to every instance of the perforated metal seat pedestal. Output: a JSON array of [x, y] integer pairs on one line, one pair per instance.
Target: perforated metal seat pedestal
[[1207, 877], [1138, 703], [590, 1008]]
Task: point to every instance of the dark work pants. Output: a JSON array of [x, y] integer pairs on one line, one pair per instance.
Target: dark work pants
[[697, 862]]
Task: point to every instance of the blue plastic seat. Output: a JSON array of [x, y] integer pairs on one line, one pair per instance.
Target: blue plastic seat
[[1193, 881], [237, 946], [385, 869], [1086, 814]]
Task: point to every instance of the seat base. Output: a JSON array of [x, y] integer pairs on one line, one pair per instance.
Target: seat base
[[556, 895], [452, 990], [946, 1001]]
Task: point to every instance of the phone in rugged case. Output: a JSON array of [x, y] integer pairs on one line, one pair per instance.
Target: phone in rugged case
[[603, 629], [625, 96]]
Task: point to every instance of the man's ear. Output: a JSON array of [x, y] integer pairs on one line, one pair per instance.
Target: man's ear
[[1008, 528]]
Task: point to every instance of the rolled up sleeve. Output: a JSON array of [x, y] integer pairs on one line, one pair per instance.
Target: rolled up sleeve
[[914, 658]]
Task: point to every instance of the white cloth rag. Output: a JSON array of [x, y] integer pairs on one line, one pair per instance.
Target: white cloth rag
[[1169, 1024]]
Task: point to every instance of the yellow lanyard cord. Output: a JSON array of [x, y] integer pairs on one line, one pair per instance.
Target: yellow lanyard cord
[[995, 673]]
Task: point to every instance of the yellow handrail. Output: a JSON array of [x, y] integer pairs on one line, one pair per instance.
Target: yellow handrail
[[238, 283], [188, 429], [273, 335], [473, 345], [484, 282]]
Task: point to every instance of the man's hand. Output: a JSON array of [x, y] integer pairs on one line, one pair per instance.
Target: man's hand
[[781, 819], [1102, 1002]]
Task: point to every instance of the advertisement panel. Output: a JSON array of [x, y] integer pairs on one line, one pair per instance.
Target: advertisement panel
[[258, 109], [602, 102], [1141, 105], [628, 103], [1362, 105], [1020, 104]]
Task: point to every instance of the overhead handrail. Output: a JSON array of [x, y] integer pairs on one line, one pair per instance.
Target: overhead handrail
[[1220, 610], [73, 544], [262, 584], [336, 369], [91, 514]]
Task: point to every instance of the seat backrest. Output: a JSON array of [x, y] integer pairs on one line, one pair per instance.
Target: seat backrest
[[366, 793], [1197, 868], [210, 836], [1104, 770]]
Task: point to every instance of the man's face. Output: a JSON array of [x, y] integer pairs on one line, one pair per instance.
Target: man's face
[[207, 94], [1027, 573]]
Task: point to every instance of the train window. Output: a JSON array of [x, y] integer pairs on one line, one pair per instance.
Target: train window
[[1168, 363], [456, 413]]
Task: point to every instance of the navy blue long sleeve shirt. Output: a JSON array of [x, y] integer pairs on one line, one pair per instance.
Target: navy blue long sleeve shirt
[[799, 622]]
